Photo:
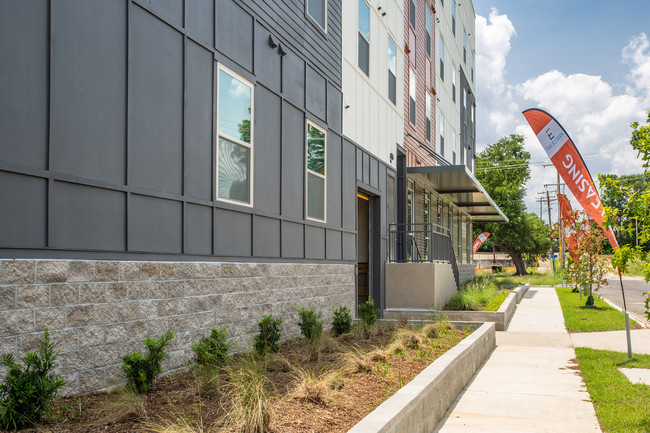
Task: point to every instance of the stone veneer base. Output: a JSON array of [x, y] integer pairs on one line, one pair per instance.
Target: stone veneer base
[[98, 311]]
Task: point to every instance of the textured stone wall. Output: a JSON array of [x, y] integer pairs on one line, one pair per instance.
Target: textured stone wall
[[98, 311]]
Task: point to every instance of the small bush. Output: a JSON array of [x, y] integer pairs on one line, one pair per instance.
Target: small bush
[[270, 333], [367, 313], [27, 393], [142, 370], [310, 324], [473, 295], [212, 350], [342, 320]]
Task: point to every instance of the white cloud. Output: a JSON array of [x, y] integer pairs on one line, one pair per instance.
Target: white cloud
[[596, 117]]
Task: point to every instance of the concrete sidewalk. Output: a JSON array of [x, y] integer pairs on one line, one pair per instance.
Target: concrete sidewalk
[[529, 383]]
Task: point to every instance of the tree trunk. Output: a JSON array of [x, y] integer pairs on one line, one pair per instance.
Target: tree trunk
[[518, 260]]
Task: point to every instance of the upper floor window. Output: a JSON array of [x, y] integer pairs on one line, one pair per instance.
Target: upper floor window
[[235, 137], [465, 47], [428, 111], [316, 185], [441, 128], [412, 13], [317, 9], [442, 3], [392, 71], [455, 149], [453, 82], [428, 26], [453, 17], [442, 59], [472, 63], [412, 96], [364, 37]]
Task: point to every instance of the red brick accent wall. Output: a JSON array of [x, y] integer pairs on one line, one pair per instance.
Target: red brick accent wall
[[415, 155]]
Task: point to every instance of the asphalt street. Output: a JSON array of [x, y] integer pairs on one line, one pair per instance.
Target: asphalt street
[[635, 287]]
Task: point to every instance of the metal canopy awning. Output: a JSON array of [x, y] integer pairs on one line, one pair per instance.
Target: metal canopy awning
[[458, 185]]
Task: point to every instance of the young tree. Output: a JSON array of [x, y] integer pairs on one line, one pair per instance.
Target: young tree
[[634, 217], [587, 268], [503, 169]]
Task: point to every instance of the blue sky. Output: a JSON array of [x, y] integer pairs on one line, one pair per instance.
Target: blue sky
[[586, 62]]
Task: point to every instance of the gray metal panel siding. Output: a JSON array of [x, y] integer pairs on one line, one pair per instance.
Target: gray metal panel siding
[[199, 94], [235, 33], [23, 213], [293, 161], [270, 74], [267, 151], [155, 225], [156, 99], [293, 240], [128, 91], [314, 242], [266, 237], [199, 20], [316, 94], [24, 78], [88, 82], [232, 233], [349, 172], [198, 229], [334, 180], [87, 217]]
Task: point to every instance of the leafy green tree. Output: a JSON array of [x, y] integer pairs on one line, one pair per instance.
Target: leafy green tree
[[635, 215], [503, 169]]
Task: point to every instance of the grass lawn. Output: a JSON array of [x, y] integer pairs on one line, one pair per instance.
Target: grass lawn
[[539, 279], [621, 406], [579, 319]]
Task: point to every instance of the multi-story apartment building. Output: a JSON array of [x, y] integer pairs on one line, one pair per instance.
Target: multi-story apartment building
[[176, 164], [442, 197], [455, 85]]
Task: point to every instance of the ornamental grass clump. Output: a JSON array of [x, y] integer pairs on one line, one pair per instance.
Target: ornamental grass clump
[[142, 370], [473, 295], [27, 393]]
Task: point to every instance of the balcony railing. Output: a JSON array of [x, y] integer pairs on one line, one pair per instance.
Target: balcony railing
[[421, 242]]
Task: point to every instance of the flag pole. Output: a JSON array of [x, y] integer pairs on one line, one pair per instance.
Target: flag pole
[[627, 318]]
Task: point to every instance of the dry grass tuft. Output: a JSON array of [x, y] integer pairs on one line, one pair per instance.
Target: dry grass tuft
[[436, 330], [207, 379], [318, 389], [123, 405], [405, 338], [180, 421], [251, 393]]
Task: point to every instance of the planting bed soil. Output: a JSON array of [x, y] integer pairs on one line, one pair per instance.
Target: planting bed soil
[[328, 389]]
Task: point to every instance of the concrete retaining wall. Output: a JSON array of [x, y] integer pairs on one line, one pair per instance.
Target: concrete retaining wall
[[501, 318], [418, 406], [419, 285], [98, 311]]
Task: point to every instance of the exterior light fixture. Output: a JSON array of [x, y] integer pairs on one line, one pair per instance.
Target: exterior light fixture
[[281, 51], [272, 42]]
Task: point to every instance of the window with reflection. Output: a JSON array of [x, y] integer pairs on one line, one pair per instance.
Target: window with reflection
[[364, 37], [317, 9], [316, 142], [392, 71], [235, 137]]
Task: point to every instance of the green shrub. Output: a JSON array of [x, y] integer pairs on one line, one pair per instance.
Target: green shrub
[[142, 370], [342, 321], [269, 336], [367, 313], [27, 393], [212, 350], [310, 324], [495, 303]]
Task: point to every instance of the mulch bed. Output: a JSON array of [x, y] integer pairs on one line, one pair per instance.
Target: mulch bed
[[179, 395]]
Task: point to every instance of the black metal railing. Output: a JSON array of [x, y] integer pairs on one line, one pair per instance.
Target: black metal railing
[[421, 242]]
